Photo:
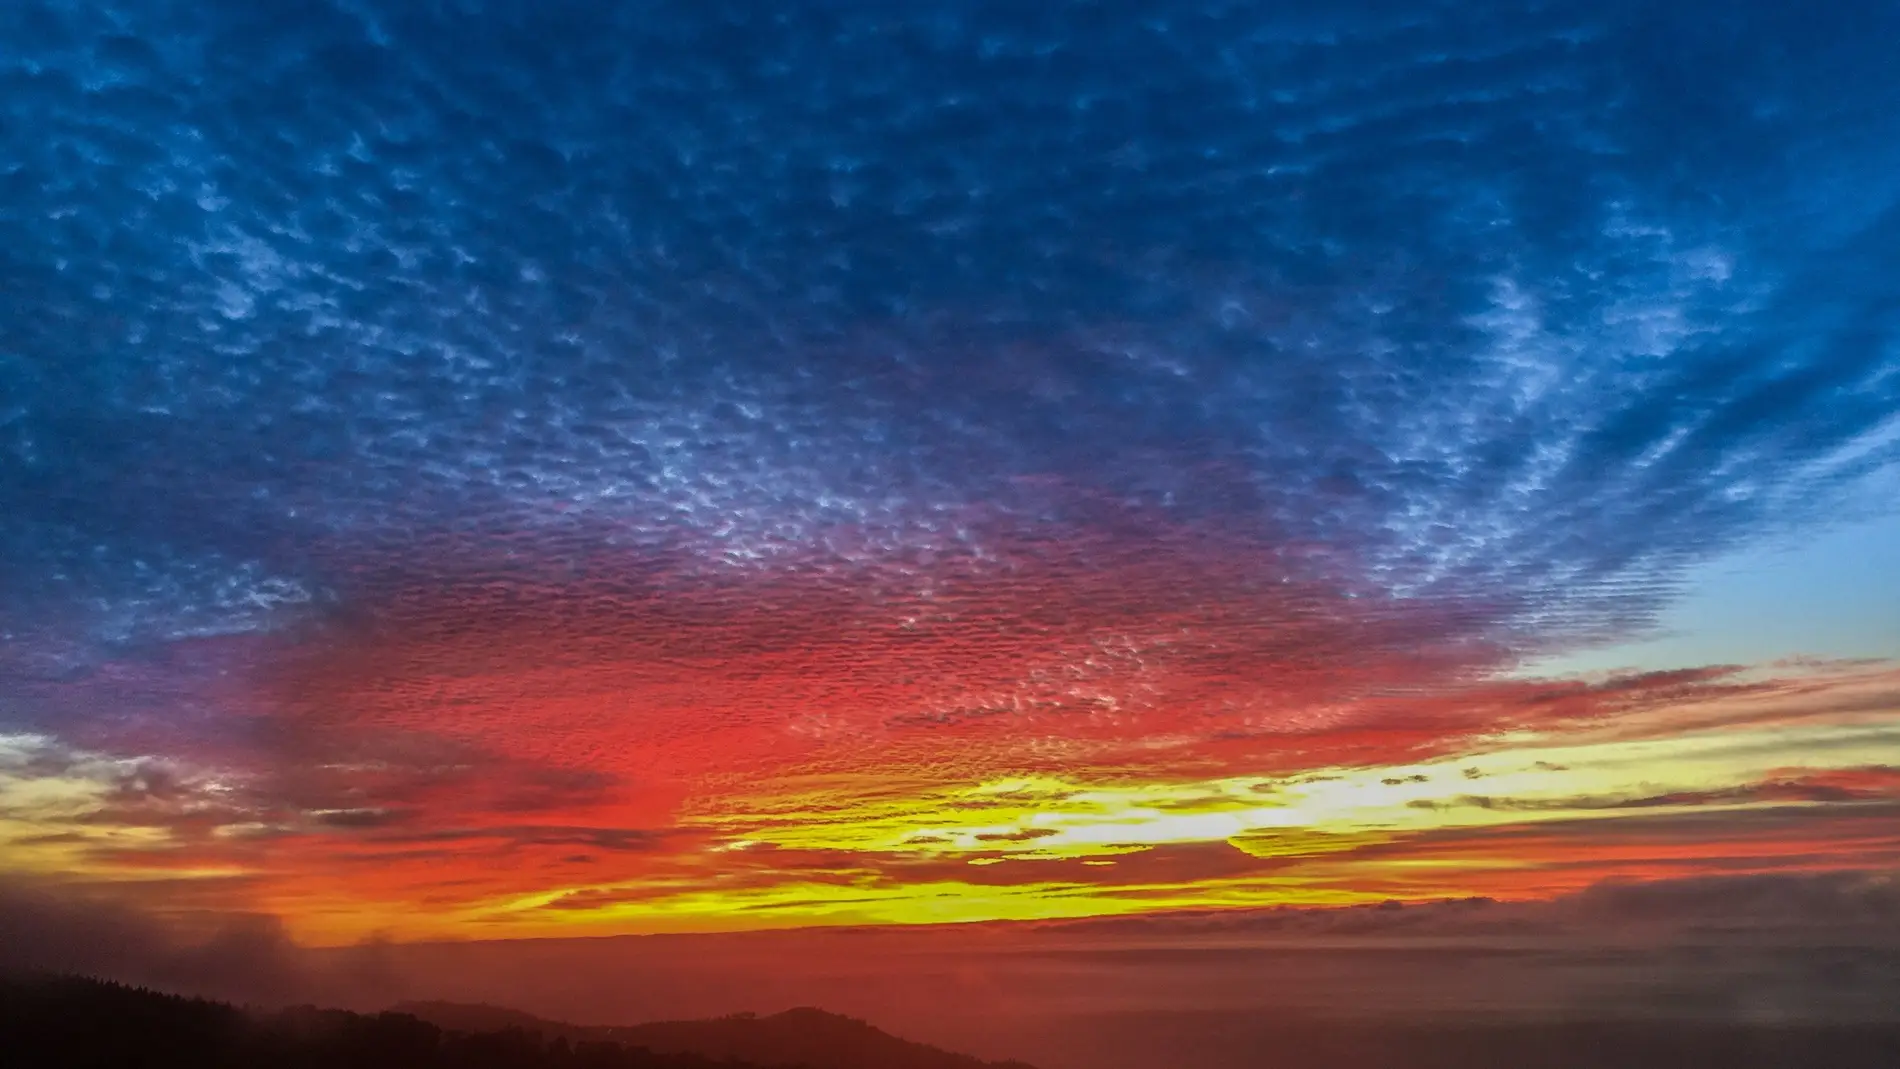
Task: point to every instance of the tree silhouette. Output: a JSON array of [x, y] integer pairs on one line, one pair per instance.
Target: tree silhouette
[[77, 1023]]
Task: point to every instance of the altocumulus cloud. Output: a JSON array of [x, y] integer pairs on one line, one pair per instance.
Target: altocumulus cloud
[[370, 371]]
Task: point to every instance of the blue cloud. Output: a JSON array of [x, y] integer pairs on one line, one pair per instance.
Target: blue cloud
[[1530, 306]]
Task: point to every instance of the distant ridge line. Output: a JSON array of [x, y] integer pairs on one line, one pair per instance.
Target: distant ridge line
[[803, 1035]]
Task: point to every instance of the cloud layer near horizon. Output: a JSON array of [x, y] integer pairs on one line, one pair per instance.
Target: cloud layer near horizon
[[688, 467]]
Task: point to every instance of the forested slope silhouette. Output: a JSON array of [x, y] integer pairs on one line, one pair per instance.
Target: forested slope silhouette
[[77, 1023]]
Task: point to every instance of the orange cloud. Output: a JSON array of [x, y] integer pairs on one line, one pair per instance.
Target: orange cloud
[[1108, 714]]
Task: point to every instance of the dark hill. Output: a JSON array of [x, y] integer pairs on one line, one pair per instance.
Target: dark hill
[[804, 1036], [74, 1023], [481, 1017]]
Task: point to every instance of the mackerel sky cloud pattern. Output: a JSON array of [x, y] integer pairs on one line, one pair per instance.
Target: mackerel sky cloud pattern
[[617, 443]]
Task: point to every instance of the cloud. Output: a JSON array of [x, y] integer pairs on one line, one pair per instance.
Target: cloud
[[1745, 909], [871, 820], [1835, 785], [1792, 785], [50, 927], [1827, 899], [1569, 854], [424, 434], [1790, 948], [1497, 963], [1341, 297]]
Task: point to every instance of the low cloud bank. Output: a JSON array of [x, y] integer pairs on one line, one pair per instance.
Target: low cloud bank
[[1796, 907], [1796, 948], [53, 927]]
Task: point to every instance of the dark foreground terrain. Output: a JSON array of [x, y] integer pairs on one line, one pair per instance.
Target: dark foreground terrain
[[804, 1037], [71, 1022], [59, 1022]]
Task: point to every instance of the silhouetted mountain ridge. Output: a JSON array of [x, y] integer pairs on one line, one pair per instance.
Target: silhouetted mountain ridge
[[805, 1036], [81, 1023], [72, 1023]]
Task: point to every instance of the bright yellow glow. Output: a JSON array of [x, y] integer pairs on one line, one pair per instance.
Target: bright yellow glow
[[840, 849]]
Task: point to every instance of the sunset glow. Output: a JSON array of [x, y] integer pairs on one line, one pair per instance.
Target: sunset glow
[[654, 469]]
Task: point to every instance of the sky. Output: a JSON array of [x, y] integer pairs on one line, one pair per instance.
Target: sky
[[488, 471]]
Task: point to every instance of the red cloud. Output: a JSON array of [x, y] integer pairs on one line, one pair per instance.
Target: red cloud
[[483, 727]]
